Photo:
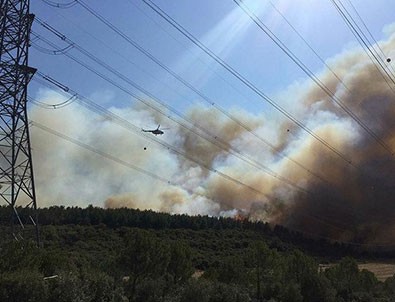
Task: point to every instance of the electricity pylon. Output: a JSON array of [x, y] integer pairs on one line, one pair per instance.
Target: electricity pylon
[[16, 168]]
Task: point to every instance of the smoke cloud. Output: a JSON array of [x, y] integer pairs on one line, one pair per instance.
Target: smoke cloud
[[341, 200]]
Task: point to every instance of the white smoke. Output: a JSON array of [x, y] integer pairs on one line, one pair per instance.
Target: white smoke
[[67, 174]]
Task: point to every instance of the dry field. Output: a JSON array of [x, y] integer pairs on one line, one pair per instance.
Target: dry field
[[381, 270]]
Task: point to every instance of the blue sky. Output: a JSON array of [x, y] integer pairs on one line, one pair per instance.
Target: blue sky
[[220, 25]]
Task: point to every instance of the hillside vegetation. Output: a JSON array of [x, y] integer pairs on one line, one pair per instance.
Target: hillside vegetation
[[96, 254]]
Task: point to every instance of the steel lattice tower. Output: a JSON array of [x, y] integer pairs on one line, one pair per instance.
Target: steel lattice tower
[[16, 169]]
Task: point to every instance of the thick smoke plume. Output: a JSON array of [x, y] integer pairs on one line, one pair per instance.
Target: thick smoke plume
[[328, 196]]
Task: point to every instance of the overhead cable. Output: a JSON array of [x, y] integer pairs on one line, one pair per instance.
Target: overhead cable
[[235, 73], [309, 46], [311, 75], [183, 81], [99, 152], [146, 172], [129, 126], [123, 123], [214, 139], [60, 5], [176, 76], [364, 42]]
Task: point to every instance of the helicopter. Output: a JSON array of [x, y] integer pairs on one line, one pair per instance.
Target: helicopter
[[154, 131]]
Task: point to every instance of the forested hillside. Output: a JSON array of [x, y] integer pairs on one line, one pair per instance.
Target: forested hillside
[[96, 254], [275, 235]]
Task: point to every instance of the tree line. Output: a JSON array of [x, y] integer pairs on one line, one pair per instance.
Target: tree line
[[280, 237]]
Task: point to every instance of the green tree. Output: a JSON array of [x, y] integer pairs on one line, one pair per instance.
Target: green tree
[[349, 282], [299, 266], [23, 285], [180, 263], [144, 257], [196, 291], [221, 292], [231, 270], [317, 288], [267, 271], [290, 292], [152, 289], [19, 254], [303, 271]]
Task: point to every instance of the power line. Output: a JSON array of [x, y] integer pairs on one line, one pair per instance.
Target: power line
[[364, 42], [203, 96], [310, 74], [145, 52], [383, 144], [214, 139], [194, 40], [226, 66], [209, 101], [52, 52], [182, 30], [129, 126], [59, 105], [114, 28], [309, 46], [367, 28], [60, 5], [104, 44], [99, 152], [144, 171], [209, 66], [384, 56]]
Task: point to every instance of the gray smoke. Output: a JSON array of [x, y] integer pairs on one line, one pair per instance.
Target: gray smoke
[[343, 201]]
